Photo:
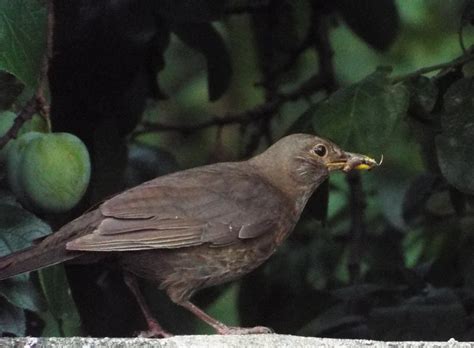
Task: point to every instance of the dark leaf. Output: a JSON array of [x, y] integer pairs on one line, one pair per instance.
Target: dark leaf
[[6, 197], [22, 38], [18, 228], [303, 124], [10, 89], [200, 11], [455, 144], [417, 194], [362, 116], [22, 293], [436, 315], [330, 322], [424, 94], [458, 200], [147, 162], [157, 60], [317, 206], [60, 303], [206, 39], [439, 204], [376, 21], [276, 38], [12, 319], [358, 292]]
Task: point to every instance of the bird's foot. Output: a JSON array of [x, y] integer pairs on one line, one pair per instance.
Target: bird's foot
[[155, 331], [235, 330]]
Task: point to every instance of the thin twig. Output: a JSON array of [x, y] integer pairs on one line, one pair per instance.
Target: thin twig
[[37, 102], [24, 115], [255, 114], [243, 118], [43, 107], [443, 66]]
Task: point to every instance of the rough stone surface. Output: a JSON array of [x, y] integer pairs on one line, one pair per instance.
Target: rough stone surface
[[232, 341]]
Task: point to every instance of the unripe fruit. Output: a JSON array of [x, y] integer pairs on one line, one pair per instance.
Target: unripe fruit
[[14, 156], [51, 172]]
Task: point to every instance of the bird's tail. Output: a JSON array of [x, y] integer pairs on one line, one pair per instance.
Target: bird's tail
[[31, 259], [50, 251]]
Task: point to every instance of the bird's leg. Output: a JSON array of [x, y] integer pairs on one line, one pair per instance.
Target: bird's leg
[[221, 328], [154, 328]]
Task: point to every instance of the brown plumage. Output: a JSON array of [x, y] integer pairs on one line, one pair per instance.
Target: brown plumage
[[199, 227]]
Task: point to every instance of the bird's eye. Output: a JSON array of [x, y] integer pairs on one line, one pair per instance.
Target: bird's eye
[[320, 150]]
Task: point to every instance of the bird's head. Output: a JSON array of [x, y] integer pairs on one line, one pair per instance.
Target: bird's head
[[304, 160]]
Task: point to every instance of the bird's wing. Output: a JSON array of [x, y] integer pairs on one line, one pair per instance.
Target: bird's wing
[[186, 209]]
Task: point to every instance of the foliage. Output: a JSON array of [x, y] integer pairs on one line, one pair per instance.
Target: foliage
[[386, 256], [22, 28]]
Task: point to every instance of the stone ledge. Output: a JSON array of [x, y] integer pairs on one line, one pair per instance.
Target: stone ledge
[[231, 341]]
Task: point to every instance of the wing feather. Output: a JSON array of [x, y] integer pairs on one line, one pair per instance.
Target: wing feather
[[179, 211]]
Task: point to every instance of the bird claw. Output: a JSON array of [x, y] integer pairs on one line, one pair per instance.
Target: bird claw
[[154, 334], [235, 330], [154, 331]]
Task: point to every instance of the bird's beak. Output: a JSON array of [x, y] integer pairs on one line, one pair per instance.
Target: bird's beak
[[349, 161]]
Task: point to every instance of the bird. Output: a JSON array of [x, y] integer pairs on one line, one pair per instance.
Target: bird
[[199, 227]]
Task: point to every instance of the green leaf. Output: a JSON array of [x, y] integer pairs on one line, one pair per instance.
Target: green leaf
[[23, 294], [22, 38], [455, 144], [12, 319], [205, 39], [51, 325], [18, 228], [362, 116], [60, 303]]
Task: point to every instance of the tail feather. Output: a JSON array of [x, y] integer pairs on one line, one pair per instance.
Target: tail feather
[[32, 259], [50, 251]]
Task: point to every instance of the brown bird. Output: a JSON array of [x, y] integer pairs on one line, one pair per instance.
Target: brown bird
[[199, 227]]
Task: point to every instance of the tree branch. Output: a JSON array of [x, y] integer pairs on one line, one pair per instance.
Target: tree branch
[[37, 102], [255, 114], [324, 79], [467, 57]]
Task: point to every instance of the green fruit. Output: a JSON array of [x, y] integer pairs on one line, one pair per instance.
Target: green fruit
[[49, 172], [14, 155], [55, 171]]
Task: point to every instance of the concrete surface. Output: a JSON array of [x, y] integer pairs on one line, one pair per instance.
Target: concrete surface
[[231, 341]]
